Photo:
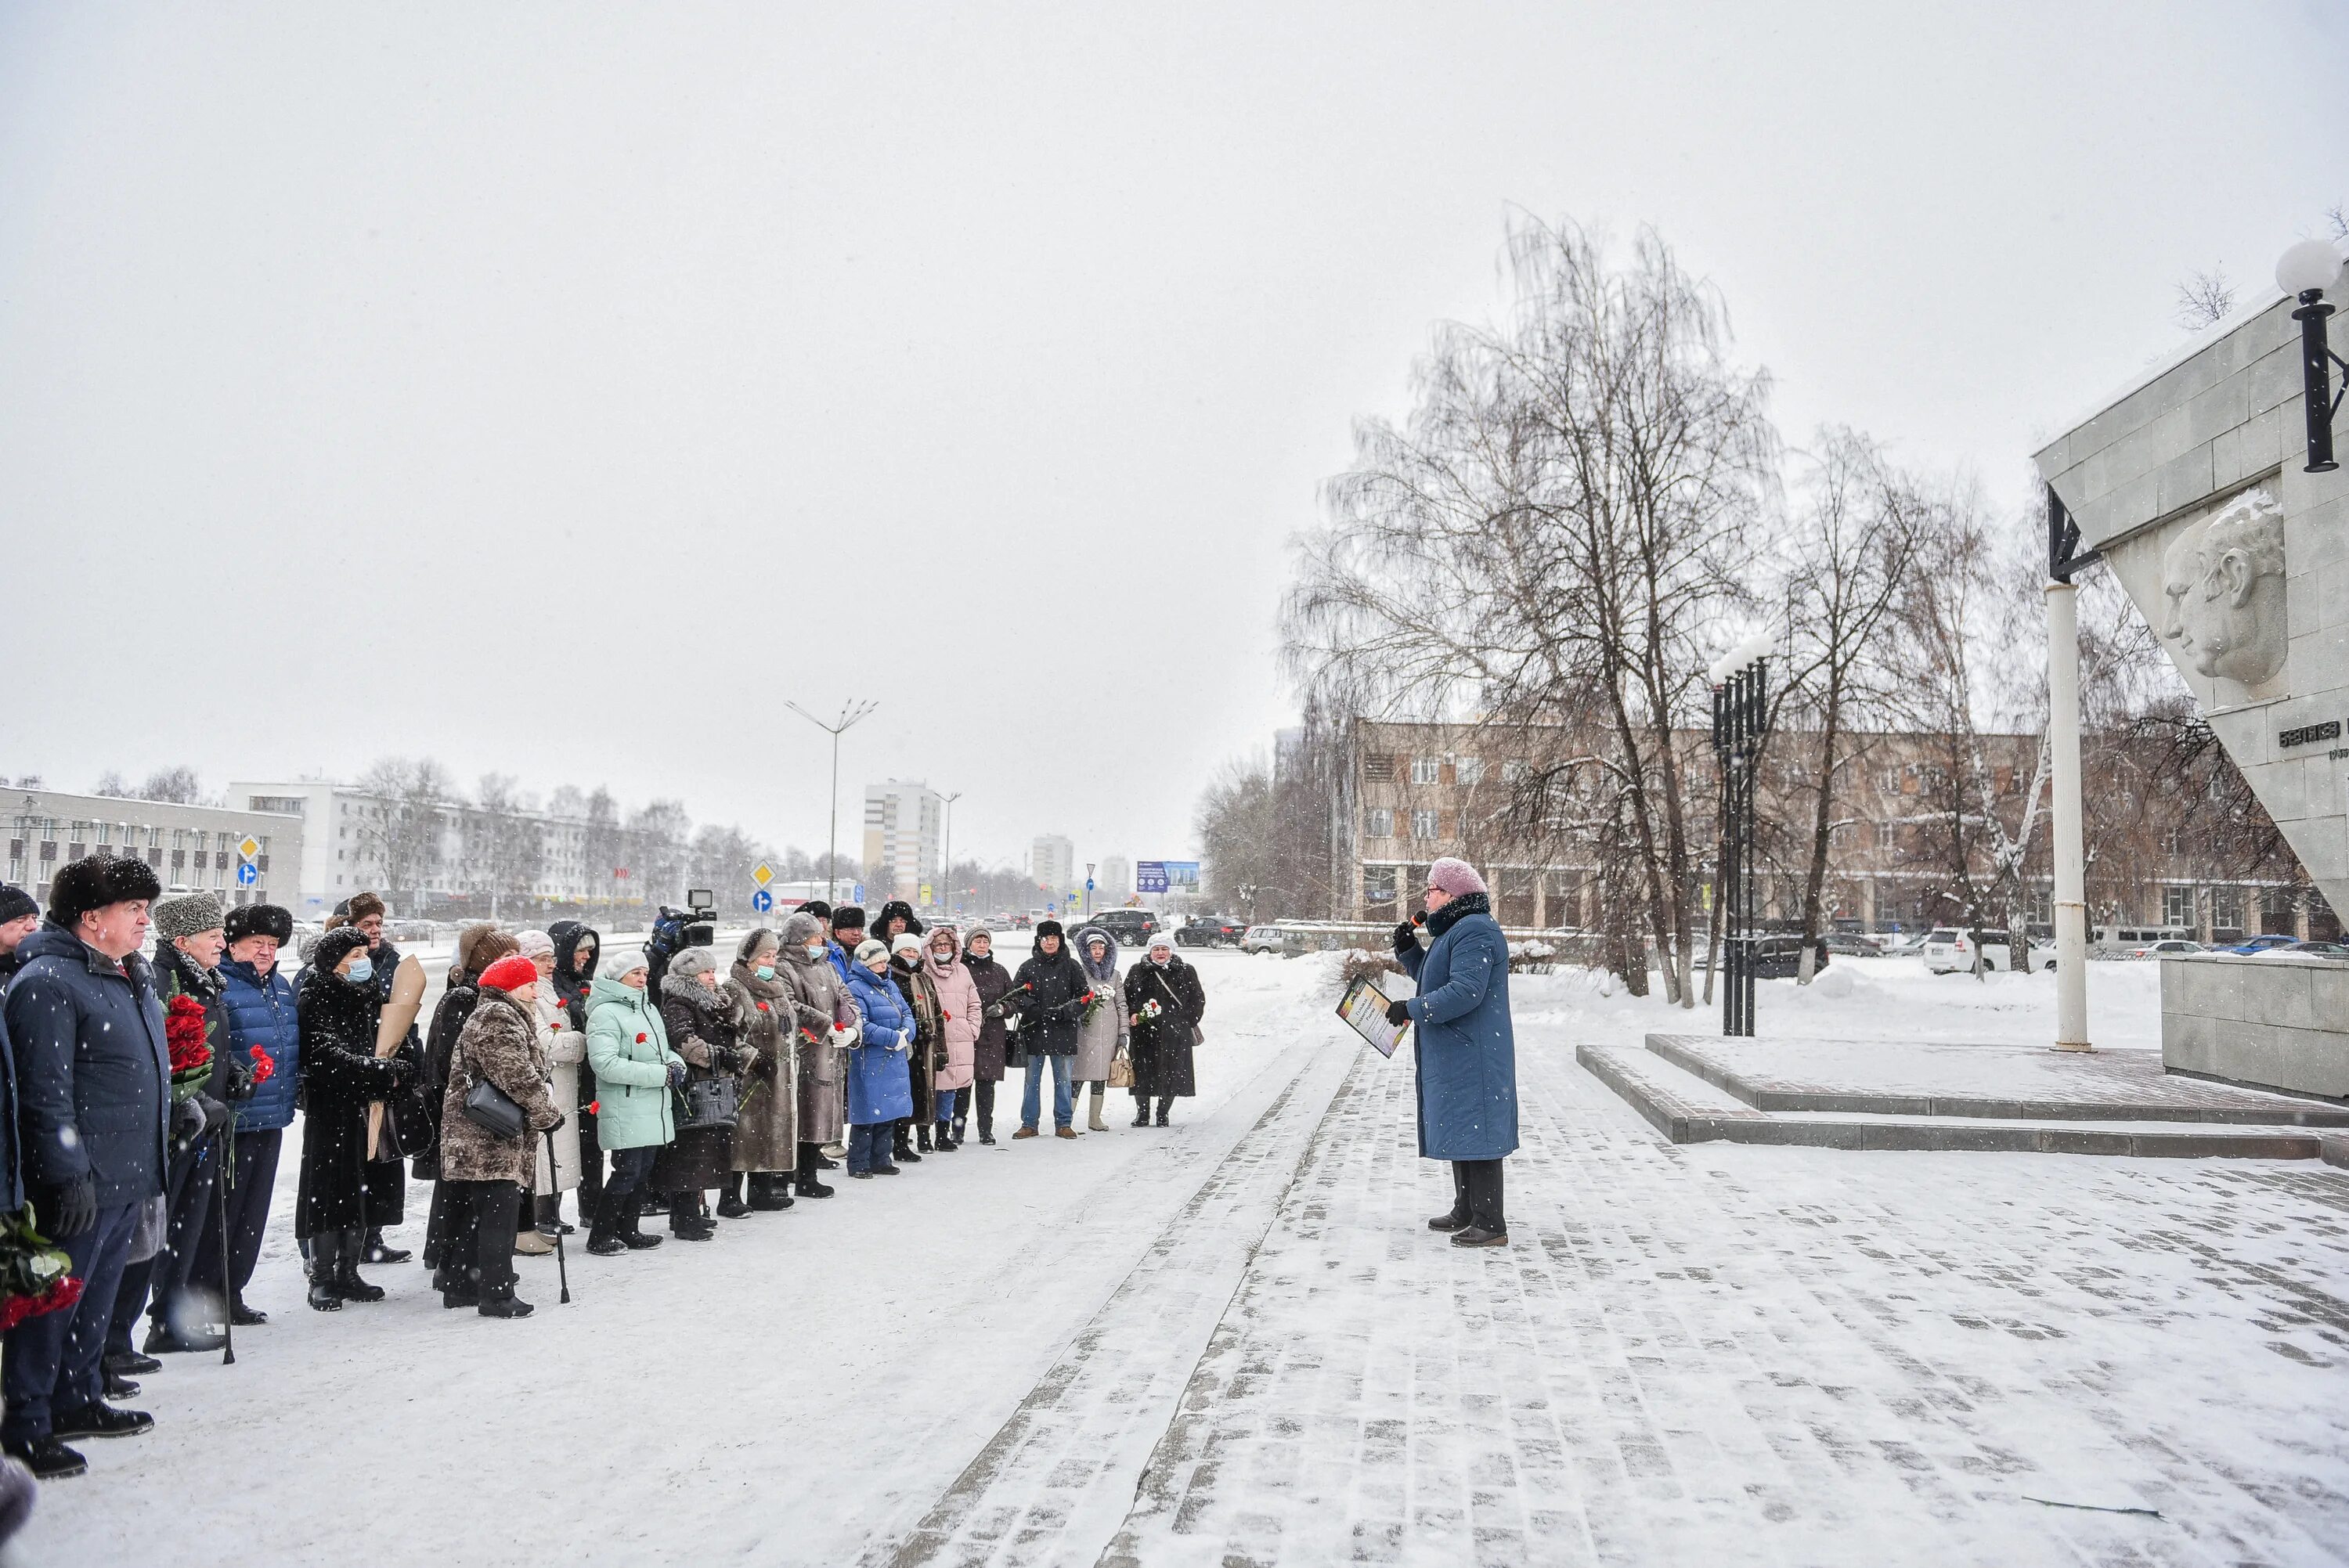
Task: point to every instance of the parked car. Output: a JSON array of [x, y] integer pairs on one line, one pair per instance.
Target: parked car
[[1852, 944], [2169, 947], [1781, 958], [1949, 951], [2133, 941], [1022, 922], [1132, 927], [2267, 943], [1209, 930], [1272, 939]]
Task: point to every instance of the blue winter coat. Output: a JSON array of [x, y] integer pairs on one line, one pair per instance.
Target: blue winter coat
[[1466, 1049], [260, 1012], [93, 1068], [879, 1088]]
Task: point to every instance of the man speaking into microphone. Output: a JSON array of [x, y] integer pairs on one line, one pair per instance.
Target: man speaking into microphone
[[1465, 1048]]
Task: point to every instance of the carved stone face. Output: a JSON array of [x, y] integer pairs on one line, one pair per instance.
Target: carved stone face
[[2224, 580]]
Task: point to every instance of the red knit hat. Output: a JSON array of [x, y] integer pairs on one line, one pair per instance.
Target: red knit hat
[[510, 973]]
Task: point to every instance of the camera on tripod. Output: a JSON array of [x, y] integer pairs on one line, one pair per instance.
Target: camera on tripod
[[676, 930]]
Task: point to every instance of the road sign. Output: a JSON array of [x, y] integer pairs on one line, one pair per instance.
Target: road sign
[[250, 847], [1089, 885], [856, 892], [762, 873], [247, 874], [763, 901], [927, 899]]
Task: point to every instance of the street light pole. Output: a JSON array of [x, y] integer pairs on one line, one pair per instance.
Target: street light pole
[[850, 714], [946, 872]]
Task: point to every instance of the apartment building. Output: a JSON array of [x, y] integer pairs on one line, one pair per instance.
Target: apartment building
[[462, 856], [1052, 865], [905, 824], [190, 847]]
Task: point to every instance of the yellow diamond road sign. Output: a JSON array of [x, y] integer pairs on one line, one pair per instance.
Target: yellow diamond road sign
[[249, 848], [762, 873]]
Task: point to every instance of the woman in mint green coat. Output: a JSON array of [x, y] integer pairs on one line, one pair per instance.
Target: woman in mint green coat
[[636, 1077]]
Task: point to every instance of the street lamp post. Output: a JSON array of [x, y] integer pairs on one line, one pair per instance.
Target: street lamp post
[[850, 714], [946, 872]]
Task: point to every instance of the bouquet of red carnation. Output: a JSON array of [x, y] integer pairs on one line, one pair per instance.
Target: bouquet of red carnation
[[264, 1066], [186, 1030], [35, 1277]]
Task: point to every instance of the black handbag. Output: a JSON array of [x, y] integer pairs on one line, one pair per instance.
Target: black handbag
[[493, 1110], [711, 1103]]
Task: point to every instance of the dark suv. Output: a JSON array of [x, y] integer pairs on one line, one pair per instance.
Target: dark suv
[[1132, 927], [1209, 930]]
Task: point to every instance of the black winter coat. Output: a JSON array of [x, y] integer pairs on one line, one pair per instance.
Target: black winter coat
[[701, 1029], [1162, 1045], [93, 1068], [1052, 1005], [341, 1075], [994, 982]]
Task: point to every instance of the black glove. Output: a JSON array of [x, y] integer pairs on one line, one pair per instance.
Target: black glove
[[192, 1116], [1406, 936], [676, 1075], [74, 1207], [1398, 1012], [995, 1009], [556, 1125], [234, 1080]]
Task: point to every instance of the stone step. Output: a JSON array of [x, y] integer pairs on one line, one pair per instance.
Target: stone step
[[1688, 1109]]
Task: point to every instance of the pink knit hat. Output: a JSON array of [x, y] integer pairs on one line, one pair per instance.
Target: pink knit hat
[[1454, 877]]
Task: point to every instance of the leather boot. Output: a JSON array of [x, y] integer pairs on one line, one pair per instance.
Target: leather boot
[[604, 1235], [730, 1205], [684, 1220], [324, 1249], [632, 1224], [1164, 1107], [1094, 1123], [922, 1136], [347, 1269], [770, 1191], [808, 1183], [550, 1218]]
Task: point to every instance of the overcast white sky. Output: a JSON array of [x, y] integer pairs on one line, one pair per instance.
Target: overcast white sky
[[383, 379]]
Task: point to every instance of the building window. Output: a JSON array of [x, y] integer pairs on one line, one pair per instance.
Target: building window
[[1427, 769], [1381, 823], [1512, 770], [1423, 824], [1378, 767], [1378, 884], [1470, 770]]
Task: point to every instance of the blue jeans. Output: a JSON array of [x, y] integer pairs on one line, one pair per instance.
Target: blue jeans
[[868, 1146], [1065, 1104], [52, 1360], [950, 1105]]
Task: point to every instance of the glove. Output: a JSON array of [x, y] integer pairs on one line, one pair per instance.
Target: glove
[[1406, 936], [75, 1204], [235, 1080], [995, 1009], [676, 1075], [189, 1119], [1398, 1012]]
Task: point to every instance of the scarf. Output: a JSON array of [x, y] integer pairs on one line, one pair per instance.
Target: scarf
[[1458, 910]]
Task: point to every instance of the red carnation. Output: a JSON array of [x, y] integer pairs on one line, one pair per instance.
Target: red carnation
[[594, 1108], [762, 1008], [61, 1293], [184, 1031], [640, 1039], [264, 1064]]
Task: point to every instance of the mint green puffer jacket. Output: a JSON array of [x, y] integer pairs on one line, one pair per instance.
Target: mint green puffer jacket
[[628, 1048]]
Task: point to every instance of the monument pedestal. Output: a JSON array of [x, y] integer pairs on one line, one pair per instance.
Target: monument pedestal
[[2268, 1021]]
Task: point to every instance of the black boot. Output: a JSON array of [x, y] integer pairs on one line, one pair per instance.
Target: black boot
[[550, 1218], [605, 1233], [324, 1248], [730, 1202], [770, 1191], [901, 1145], [806, 1180], [922, 1136], [1164, 1107], [961, 1126], [1141, 1111], [632, 1224], [684, 1220], [347, 1269], [376, 1253]]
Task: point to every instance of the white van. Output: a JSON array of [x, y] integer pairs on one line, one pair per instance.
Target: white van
[[2131, 941]]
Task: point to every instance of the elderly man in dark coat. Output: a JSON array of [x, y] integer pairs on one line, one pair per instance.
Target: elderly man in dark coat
[[1466, 1047], [94, 1085]]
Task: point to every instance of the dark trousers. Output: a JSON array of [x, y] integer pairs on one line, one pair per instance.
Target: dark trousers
[[1477, 1193], [52, 1361], [194, 1181], [483, 1217], [986, 1098], [868, 1146], [591, 1156], [629, 1169], [247, 1197], [129, 1297]]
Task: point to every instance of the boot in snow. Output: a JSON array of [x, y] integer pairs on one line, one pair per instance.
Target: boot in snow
[[1094, 1123], [348, 1283], [323, 1294], [731, 1206]]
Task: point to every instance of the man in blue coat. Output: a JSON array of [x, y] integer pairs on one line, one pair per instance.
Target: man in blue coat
[[259, 1002], [1466, 1047], [94, 1097]]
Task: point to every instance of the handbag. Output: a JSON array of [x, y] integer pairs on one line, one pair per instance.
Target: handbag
[[711, 1103], [1121, 1071], [492, 1110], [407, 1128]]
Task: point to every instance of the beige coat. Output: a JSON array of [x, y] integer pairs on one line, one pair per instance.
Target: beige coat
[[564, 1047], [817, 1003], [767, 1138], [500, 1043]]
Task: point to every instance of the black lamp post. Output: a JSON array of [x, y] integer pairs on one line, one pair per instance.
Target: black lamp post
[[1740, 719], [2308, 271]]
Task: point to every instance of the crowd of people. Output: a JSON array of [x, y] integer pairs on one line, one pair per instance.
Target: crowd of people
[[145, 1095]]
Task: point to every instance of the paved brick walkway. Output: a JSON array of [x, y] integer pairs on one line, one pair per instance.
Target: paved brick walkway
[[1717, 1354]]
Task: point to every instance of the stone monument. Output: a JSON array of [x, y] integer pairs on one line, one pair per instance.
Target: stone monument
[[2191, 485]]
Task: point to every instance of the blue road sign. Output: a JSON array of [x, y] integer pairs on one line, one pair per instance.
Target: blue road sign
[[1089, 885], [246, 875], [763, 901]]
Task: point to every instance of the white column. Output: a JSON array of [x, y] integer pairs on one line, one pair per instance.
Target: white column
[[2071, 867]]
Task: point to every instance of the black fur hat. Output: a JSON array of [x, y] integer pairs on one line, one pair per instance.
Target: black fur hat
[[848, 918], [92, 883], [814, 906], [334, 947], [1045, 928], [260, 919]]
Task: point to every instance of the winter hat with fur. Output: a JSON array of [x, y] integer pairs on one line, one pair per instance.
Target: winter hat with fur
[[906, 942], [848, 918], [1454, 878], [798, 928], [1045, 928], [691, 962], [260, 919], [93, 883], [869, 949], [510, 973], [359, 906], [534, 944], [16, 903], [188, 914]]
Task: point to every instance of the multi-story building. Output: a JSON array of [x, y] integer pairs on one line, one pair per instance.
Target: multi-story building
[[190, 847], [904, 823], [1052, 864], [1115, 880], [1903, 837]]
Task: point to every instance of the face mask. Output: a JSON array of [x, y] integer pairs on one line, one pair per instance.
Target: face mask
[[764, 971], [814, 950], [364, 970]]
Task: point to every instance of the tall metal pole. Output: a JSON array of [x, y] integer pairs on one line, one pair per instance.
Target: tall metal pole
[[946, 872], [850, 713], [2071, 859]]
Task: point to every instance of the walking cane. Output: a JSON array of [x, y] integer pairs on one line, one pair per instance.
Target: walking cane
[[228, 1267], [561, 1270]]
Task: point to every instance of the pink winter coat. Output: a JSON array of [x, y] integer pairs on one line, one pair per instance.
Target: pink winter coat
[[958, 996]]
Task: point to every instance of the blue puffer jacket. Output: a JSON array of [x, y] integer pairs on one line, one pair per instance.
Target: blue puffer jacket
[[261, 1013], [93, 1069], [879, 1088], [1466, 1044]]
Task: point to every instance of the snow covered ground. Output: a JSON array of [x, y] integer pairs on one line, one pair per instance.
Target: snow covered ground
[[1235, 1341]]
